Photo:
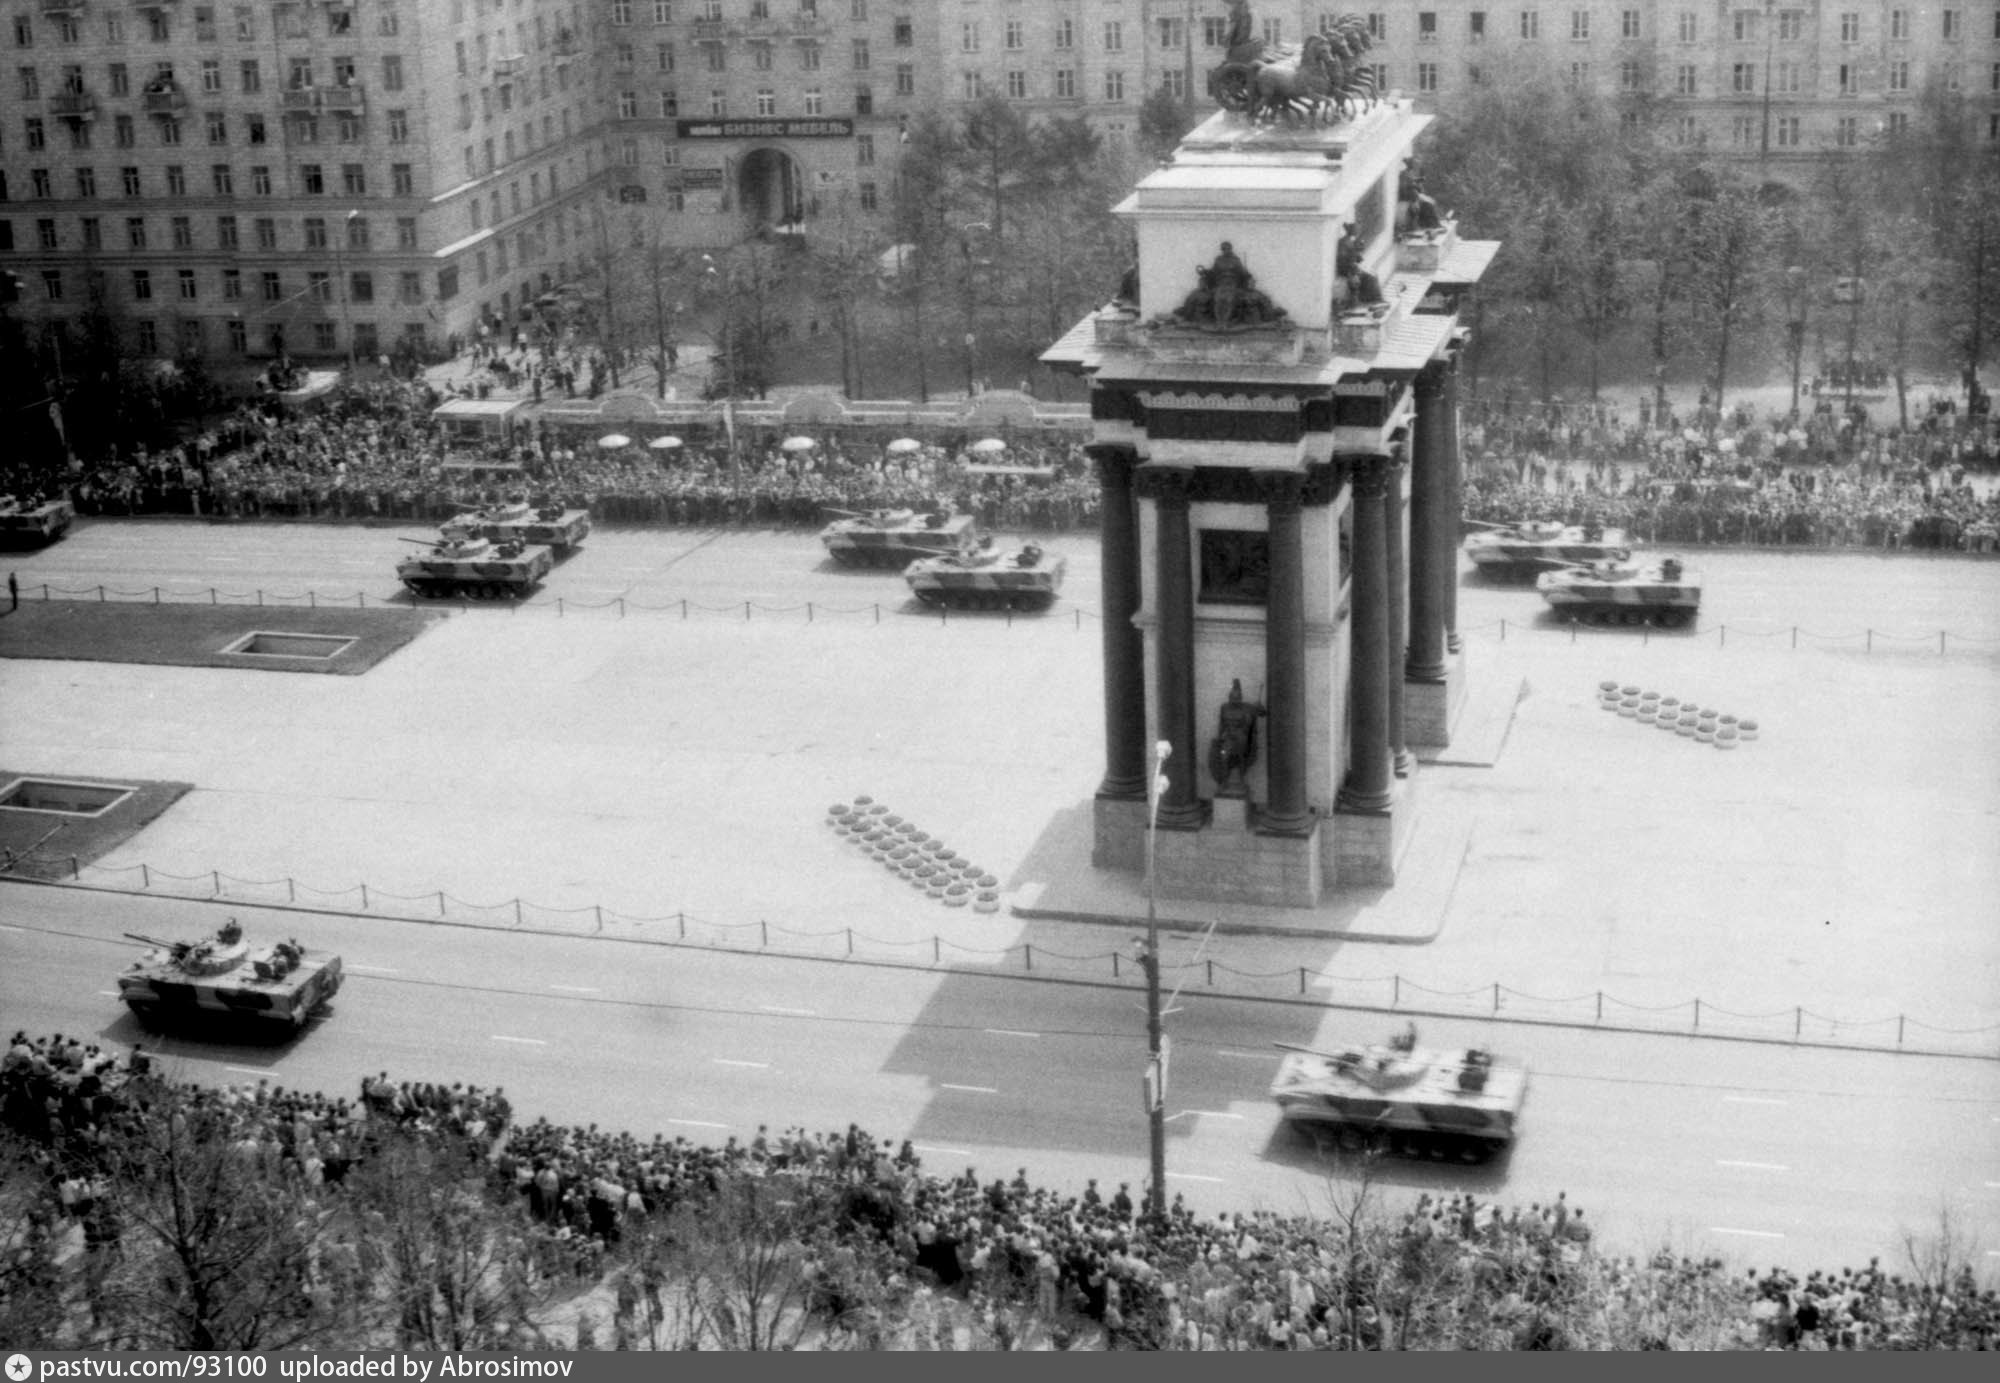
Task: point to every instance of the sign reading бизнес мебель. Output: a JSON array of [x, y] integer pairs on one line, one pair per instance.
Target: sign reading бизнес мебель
[[771, 127]]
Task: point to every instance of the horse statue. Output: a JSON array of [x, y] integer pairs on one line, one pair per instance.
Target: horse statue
[[1325, 80]]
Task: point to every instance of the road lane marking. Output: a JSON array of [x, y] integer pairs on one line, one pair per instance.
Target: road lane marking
[[1191, 1176], [943, 1152], [754, 1065], [1748, 1099], [1010, 1032], [1753, 1166], [1750, 1233], [1993, 1185], [374, 969], [577, 988], [974, 1089], [1245, 1056], [5, 928], [110, 993], [524, 1041], [696, 1123], [247, 1070], [790, 1012]]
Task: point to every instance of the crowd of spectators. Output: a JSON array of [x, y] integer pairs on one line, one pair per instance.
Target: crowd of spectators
[[1493, 1277], [372, 451]]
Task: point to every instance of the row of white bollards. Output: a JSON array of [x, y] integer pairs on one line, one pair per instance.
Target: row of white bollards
[[1702, 724]]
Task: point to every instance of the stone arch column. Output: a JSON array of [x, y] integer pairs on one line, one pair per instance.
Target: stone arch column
[[1125, 765], [1367, 786]]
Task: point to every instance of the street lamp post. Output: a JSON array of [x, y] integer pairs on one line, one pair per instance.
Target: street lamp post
[[1156, 1042], [340, 272], [1795, 325], [971, 336]]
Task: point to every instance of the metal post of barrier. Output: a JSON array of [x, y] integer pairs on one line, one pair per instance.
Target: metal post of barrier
[[1899, 1030], [1697, 1015], [291, 892], [878, 614], [441, 911], [598, 908], [156, 595], [74, 872], [312, 599], [809, 612], [682, 918], [1798, 1022], [746, 612], [1079, 618], [559, 607], [145, 877], [850, 941], [100, 595], [215, 881], [260, 597], [1028, 956], [1503, 631], [621, 607], [364, 897], [1114, 965], [361, 600], [1940, 643], [684, 610], [517, 912], [1211, 974], [1795, 637], [1721, 636], [212, 598], [1871, 641], [937, 950], [1496, 996], [1302, 979], [1600, 1006], [764, 931], [1396, 994]]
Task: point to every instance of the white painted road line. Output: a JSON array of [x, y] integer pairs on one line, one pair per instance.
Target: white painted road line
[[524, 1041], [1749, 1233], [371, 969], [973, 1089], [247, 1070], [5, 928], [1010, 1032], [789, 1012], [576, 988], [1748, 1099], [696, 1123], [1190, 1176], [1212, 1113], [1753, 1166], [754, 1065], [942, 1152], [1246, 1056], [110, 993]]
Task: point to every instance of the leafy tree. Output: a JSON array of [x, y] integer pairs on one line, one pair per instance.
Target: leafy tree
[[1164, 121], [997, 149], [1728, 230]]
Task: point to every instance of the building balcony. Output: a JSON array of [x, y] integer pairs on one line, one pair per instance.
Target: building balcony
[[567, 44], [808, 26], [350, 97], [299, 98], [164, 99], [506, 67], [73, 105], [710, 29], [62, 7], [157, 4]]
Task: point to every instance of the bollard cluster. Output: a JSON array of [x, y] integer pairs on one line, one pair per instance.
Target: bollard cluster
[[1702, 724], [921, 859]]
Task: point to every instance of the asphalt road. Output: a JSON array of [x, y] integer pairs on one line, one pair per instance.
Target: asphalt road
[[1768, 1154], [1809, 1158]]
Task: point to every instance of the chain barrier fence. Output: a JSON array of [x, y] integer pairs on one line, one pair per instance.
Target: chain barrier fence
[[1393, 993], [1869, 640]]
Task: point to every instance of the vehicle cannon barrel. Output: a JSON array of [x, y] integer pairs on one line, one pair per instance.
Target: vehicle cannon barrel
[[147, 940]]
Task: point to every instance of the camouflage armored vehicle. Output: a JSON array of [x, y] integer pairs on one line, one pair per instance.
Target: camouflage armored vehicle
[[892, 537], [1457, 1105], [476, 567], [1666, 593], [34, 522], [538, 525], [983, 577], [1522, 551], [222, 978]]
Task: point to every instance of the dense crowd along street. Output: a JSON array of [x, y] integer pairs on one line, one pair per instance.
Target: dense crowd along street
[[373, 452], [588, 1196]]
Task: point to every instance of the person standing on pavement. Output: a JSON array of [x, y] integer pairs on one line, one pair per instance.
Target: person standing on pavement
[[13, 593]]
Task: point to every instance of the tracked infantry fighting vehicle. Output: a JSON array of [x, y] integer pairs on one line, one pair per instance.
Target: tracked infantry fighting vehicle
[[223, 979], [1666, 594], [983, 577], [1523, 551], [893, 538], [1460, 1105], [34, 522], [475, 567], [538, 525]]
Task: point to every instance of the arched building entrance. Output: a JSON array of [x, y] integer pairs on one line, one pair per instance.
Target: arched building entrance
[[770, 188]]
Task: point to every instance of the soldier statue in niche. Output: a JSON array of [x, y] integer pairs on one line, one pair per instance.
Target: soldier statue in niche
[[1234, 747], [1227, 296]]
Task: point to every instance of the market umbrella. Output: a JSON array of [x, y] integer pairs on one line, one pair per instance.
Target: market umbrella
[[611, 441], [664, 443], [986, 446], [797, 444], [1726, 446], [903, 446]]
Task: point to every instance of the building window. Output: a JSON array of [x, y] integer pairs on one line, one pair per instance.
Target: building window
[[1427, 26], [406, 232], [148, 332], [1628, 24], [906, 79], [869, 199], [670, 105], [1850, 26], [1579, 76], [1531, 24], [273, 284], [232, 286], [864, 150], [809, 57], [860, 55], [1743, 26], [904, 31], [718, 104], [1786, 128], [312, 179], [1743, 131], [315, 232], [1743, 78], [1378, 26], [1173, 34], [1475, 26], [1017, 85], [628, 105], [182, 229], [971, 86], [1899, 26], [767, 101], [142, 285], [93, 232], [267, 233], [1114, 85], [1686, 130], [1427, 76], [1065, 33], [1952, 29], [1174, 82], [187, 285], [968, 36], [239, 336], [402, 181], [45, 234], [1015, 37], [135, 232], [211, 76], [1065, 83], [37, 132], [86, 183], [1630, 76], [1899, 75], [225, 233], [1685, 26], [1785, 77], [52, 283], [1579, 25], [1848, 78], [1846, 132]]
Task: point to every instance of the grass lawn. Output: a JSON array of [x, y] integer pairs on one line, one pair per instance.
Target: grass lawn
[[198, 635]]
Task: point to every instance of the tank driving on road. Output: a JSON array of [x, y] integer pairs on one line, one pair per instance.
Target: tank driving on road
[[223, 979], [1663, 593], [983, 577], [1460, 1106], [538, 525], [1523, 551], [892, 538], [478, 568], [33, 522]]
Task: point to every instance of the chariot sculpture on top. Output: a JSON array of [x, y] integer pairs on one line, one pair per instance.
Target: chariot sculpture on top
[[1317, 82]]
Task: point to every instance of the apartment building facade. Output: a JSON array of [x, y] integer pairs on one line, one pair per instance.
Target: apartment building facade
[[318, 177]]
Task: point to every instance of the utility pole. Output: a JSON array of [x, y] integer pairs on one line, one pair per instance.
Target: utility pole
[[1156, 1040], [340, 268]]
